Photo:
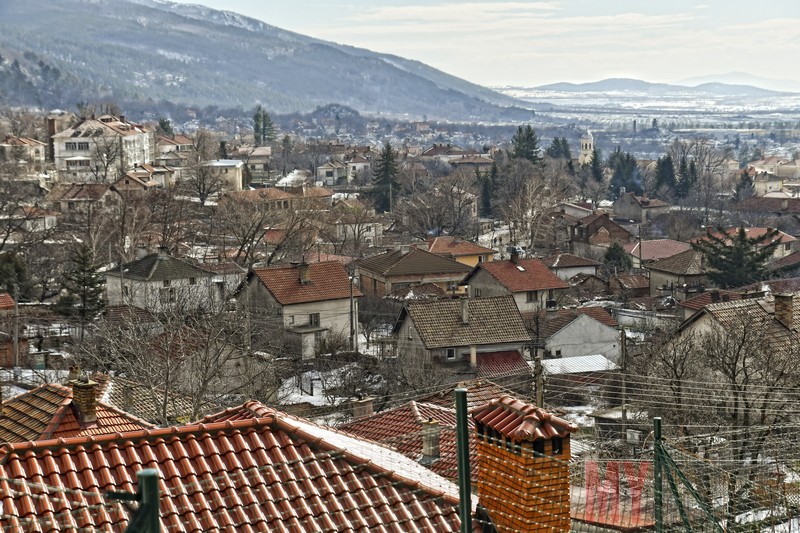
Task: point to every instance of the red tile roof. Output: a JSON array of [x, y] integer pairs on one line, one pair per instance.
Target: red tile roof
[[568, 261], [455, 247], [6, 301], [708, 297], [328, 281], [501, 364], [526, 275], [401, 429], [520, 421], [656, 249], [752, 233], [479, 391], [274, 473], [633, 281], [48, 412]]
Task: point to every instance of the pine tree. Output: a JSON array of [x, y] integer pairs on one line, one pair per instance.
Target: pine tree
[[84, 287], [596, 167], [487, 182], [566, 153], [258, 125], [384, 178], [525, 145], [268, 131], [616, 260], [734, 259], [665, 173]]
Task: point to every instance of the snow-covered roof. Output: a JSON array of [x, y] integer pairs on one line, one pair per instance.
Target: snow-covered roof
[[578, 365]]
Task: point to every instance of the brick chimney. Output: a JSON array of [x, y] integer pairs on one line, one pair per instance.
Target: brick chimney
[[362, 407], [430, 441], [303, 273], [85, 400], [523, 458], [784, 309], [464, 310]]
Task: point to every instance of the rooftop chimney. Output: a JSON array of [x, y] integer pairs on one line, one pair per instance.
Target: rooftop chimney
[[303, 273], [74, 373], [84, 398], [163, 251], [714, 296], [464, 310], [430, 441], [523, 456], [784, 309], [514, 251], [362, 407]]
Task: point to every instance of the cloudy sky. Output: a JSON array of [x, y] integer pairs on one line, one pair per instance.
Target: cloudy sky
[[533, 43]]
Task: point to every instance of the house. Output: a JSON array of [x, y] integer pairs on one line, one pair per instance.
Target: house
[[55, 411], [694, 304], [472, 163], [679, 276], [638, 209], [629, 286], [646, 251], [782, 250], [228, 171], [245, 468], [314, 301], [160, 282], [103, 147], [357, 165], [256, 159], [768, 207], [456, 248], [566, 266], [28, 153], [529, 281], [575, 332], [487, 334], [595, 233], [381, 274], [332, 172], [80, 197], [764, 182]]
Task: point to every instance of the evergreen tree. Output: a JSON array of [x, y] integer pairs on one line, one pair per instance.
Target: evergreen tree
[[616, 260], [596, 166], [384, 177], [525, 145], [14, 277], [626, 172], [258, 125], [83, 285], [268, 131], [734, 259], [744, 187], [566, 153], [554, 150], [685, 184], [165, 126], [665, 173]]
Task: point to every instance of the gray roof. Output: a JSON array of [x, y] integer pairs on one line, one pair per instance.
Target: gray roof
[[495, 320], [158, 267], [415, 261]]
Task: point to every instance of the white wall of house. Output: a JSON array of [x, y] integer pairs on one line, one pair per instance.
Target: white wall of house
[[585, 336], [160, 296]]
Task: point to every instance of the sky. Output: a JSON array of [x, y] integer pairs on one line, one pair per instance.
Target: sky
[[499, 43]]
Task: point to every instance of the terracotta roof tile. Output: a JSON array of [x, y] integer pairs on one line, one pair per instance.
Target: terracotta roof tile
[[632, 281], [48, 412], [708, 297], [328, 281], [784, 263], [401, 429], [688, 263], [526, 275], [144, 401], [493, 320], [274, 473], [551, 322], [6, 301], [479, 392], [568, 261], [520, 421], [502, 364], [653, 250], [455, 247], [752, 233], [415, 261]]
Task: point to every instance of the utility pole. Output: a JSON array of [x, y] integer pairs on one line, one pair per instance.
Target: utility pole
[[16, 326]]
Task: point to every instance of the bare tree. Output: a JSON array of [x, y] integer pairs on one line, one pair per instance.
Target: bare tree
[[202, 180], [448, 208]]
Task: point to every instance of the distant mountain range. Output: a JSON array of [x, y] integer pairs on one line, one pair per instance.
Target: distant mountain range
[[57, 52], [629, 85]]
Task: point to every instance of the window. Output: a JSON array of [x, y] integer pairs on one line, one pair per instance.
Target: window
[[192, 281], [481, 259], [451, 354], [290, 319], [329, 173], [477, 293], [557, 445], [531, 296], [558, 353], [165, 283], [313, 319], [83, 146], [787, 247], [166, 295]]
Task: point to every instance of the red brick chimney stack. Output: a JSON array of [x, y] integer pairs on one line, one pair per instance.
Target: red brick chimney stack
[[523, 466]]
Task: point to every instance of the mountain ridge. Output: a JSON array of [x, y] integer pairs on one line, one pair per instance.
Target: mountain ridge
[[148, 50], [637, 85]]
